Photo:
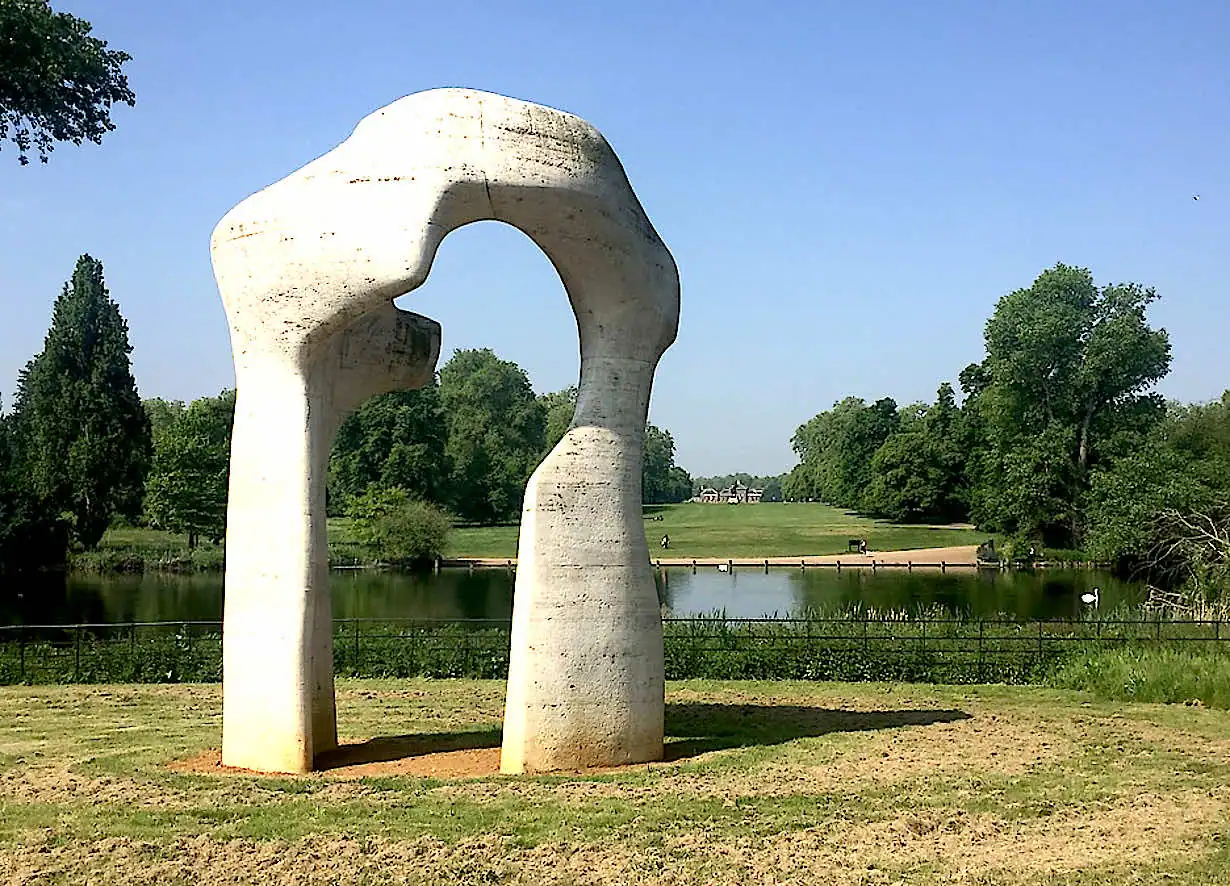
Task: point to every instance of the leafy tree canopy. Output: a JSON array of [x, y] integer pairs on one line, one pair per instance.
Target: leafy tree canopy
[[496, 434], [398, 528], [1067, 372], [397, 440], [187, 485], [57, 82], [835, 450], [662, 481], [560, 407]]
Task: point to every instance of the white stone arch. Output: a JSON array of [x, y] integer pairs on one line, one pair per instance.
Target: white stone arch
[[307, 270]]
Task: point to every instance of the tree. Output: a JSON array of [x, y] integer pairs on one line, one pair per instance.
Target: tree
[[57, 83], [662, 481], [31, 537], [396, 440], [560, 407], [496, 434], [835, 449], [394, 526], [918, 472], [186, 490], [1127, 494], [163, 414], [82, 439], [1066, 372], [1201, 433]]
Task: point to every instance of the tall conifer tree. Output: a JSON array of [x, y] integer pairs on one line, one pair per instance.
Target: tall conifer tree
[[82, 439]]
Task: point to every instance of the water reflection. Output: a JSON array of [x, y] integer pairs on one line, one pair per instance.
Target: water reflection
[[750, 593], [457, 593]]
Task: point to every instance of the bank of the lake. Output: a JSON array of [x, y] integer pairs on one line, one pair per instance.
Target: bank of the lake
[[774, 529]]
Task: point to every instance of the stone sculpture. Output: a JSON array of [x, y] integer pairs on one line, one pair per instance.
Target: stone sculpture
[[307, 270]]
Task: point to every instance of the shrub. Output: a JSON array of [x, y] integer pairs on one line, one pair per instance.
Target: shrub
[[397, 528]]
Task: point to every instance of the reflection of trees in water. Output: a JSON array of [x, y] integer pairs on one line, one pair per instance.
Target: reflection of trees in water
[[488, 593], [453, 593], [1024, 594]]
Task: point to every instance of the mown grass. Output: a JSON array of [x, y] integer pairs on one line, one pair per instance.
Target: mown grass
[[774, 782], [763, 530], [696, 530], [137, 549]]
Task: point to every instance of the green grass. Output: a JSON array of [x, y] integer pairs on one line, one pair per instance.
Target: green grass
[[1112, 657], [773, 782], [761, 530], [695, 530], [135, 549], [1150, 673]]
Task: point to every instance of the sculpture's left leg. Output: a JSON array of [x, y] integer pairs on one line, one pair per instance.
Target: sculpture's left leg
[[278, 708]]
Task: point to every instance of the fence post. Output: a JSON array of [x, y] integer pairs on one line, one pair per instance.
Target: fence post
[[923, 622], [1041, 653], [21, 654], [981, 659], [356, 647], [77, 662], [866, 619]]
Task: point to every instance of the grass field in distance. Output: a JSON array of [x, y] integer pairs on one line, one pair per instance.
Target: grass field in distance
[[773, 529], [696, 530]]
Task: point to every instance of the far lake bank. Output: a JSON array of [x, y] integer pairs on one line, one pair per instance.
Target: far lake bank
[[701, 531]]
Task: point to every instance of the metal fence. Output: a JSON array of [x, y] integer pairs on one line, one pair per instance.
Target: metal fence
[[838, 647]]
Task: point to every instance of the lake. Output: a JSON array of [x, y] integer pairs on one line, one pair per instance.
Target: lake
[[487, 593]]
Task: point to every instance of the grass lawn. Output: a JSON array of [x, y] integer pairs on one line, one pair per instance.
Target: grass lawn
[[771, 783], [761, 530], [696, 530]]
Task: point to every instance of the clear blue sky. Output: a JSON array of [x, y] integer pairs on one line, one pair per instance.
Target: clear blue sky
[[847, 187]]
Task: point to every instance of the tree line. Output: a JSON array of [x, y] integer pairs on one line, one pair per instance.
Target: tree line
[[80, 449], [1059, 438]]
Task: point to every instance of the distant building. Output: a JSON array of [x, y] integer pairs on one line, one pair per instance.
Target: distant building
[[735, 495]]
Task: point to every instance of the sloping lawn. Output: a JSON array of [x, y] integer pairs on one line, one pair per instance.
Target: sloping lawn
[[760, 530]]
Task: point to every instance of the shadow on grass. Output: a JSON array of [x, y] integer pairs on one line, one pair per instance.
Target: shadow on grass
[[702, 727], [388, 748], [691, 729]]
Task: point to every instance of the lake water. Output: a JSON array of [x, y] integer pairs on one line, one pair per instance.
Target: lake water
[[457, 593]]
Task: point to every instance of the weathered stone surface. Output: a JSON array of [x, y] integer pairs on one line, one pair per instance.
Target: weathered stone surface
[[307, 269]]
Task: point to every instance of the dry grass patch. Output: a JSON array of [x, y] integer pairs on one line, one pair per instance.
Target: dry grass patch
[[767, 783]]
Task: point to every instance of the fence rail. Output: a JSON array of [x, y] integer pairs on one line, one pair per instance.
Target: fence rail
[[851, 647]]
